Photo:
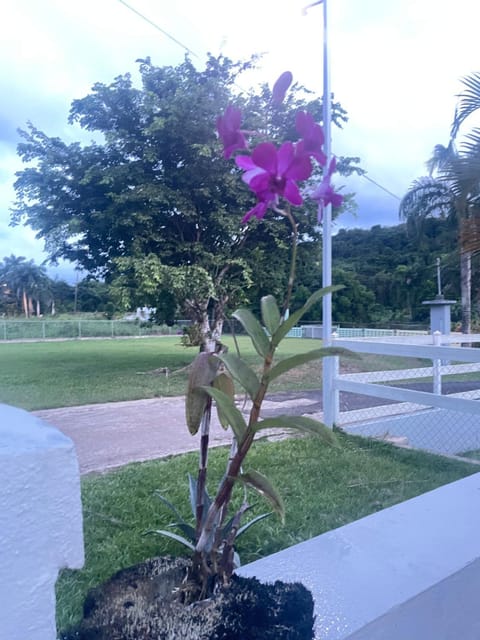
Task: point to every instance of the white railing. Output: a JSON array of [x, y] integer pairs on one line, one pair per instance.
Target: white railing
[[452, 408], [410, 572]]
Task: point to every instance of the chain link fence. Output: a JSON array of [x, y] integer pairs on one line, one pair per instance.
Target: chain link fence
[[75, 329], [412, 391]]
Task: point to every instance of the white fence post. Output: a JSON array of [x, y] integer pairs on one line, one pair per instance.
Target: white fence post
[[40, 522], [437, 370], [331, 394]]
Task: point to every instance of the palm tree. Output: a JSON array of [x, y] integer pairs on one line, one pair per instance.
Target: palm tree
[[451, 191], [26, 280]]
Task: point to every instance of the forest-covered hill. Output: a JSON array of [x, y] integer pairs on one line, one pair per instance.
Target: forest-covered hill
[[395, 271]]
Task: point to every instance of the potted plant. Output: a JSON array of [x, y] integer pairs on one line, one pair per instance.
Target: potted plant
[[201, 597]]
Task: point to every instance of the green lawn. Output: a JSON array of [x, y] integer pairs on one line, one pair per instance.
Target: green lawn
[[323, 488], [45, 375]]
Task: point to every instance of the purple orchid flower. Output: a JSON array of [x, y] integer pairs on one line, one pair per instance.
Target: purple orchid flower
[[324, 193], [281, 86], [312, 137], [272, 173], [228, 127]]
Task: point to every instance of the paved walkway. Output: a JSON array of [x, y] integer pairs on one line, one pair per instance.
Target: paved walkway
[[112, 434]]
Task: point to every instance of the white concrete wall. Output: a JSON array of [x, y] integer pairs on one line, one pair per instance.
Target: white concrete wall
[[40, 522], [410, 572]]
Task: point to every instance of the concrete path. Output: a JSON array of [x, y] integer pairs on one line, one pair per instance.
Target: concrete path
[[113, 434]]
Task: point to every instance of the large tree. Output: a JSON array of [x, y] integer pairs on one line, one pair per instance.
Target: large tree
[[157, 184]]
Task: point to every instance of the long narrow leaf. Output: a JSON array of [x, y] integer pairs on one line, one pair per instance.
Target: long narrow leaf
[[170, 506], [254, 329], [241, 372], [270, 313], [300, 423], [224, 383], [292, 320], [261, 484], [186, 529], [251, 522], [302, 358], [230, 411], [172, 536]]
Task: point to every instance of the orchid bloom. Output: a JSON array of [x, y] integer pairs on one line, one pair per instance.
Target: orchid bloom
[[272, 173], [228, 127], [312, 137], [324, 193]]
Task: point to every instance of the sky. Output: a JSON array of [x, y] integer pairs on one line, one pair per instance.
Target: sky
[[396, 67]]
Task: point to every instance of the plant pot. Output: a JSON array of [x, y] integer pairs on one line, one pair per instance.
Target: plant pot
[[141, 603]]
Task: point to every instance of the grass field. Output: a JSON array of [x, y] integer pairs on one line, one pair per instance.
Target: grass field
[[44, 375], [323, 488]]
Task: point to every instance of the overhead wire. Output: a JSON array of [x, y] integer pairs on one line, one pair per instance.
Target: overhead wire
[[156, 26]]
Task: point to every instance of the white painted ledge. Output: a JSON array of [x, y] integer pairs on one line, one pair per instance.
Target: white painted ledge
[[410, 572], [40, 522]]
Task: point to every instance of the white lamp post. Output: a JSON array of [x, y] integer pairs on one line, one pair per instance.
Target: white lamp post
[[330, 396]]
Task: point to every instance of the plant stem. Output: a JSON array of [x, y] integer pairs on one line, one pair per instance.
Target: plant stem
[[293, 262]]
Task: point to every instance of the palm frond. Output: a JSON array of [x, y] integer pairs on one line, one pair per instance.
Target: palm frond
[[426, 197], [469, 101]]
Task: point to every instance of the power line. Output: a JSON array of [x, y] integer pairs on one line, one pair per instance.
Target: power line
[[155, 26], [377, 184]]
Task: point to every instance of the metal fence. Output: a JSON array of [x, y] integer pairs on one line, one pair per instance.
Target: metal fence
[[74, 329], [429, 403]]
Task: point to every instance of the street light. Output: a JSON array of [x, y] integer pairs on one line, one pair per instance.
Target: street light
[[328, 363]]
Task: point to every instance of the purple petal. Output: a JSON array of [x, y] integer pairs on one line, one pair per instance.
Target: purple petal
[[265, 156], [245, 162], [248, 176], [300, 168], [291, 193], [281, 86], [260, 182], [304, 122], [285, 157], [259, 211]]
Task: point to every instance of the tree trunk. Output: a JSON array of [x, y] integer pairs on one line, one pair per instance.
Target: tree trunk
[[25, 303], [38, 308], [466, 289]]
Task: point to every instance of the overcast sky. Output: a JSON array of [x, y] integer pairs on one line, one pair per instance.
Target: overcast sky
[[396, 67]]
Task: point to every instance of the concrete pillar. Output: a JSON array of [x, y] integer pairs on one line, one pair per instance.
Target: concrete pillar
[[40, 522], [440, 314]]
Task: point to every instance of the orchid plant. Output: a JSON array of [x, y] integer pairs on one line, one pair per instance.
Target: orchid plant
[[273, 174]]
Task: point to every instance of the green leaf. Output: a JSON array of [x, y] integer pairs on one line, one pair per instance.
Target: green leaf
[[172, 536], [270, 313], [186, 529], [230, 411], [261, 484], [203, 371], [251, 522], [224, 383], [294, 318], [303, 358], [301, 423], [255, 330], [170, 506], [241, 372]]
